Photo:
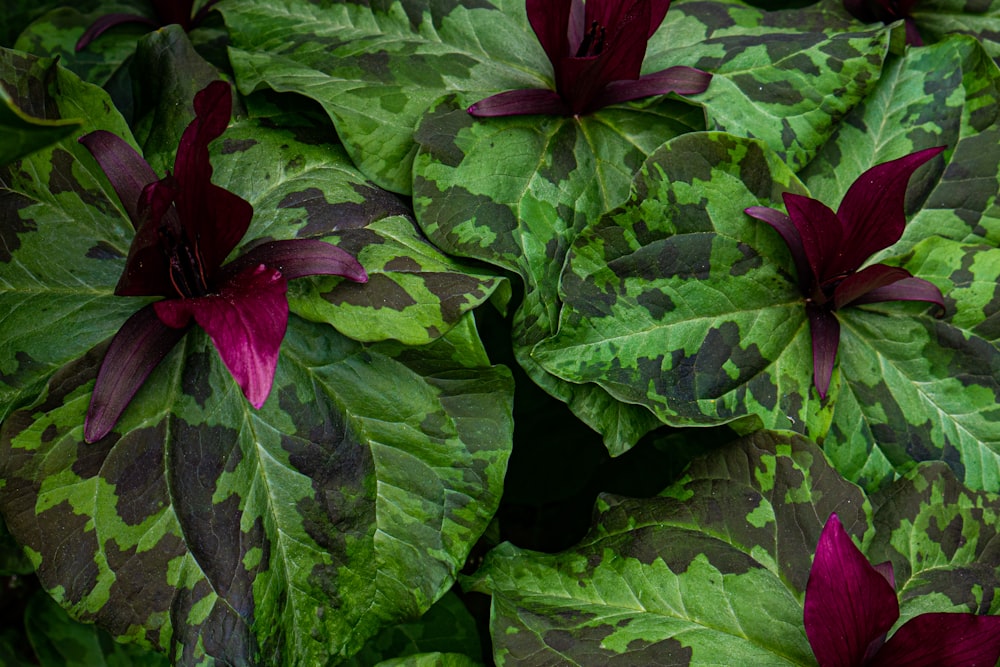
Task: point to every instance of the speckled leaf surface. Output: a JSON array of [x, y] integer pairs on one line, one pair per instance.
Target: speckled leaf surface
[[711, 572], [787, 83], [946, 94], [680, 302], [287, 535], [515, 192]]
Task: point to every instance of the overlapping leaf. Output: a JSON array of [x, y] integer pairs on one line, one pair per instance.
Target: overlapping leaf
[[681, 303], [714, 570], [936, 19], [22, 134], [288, 535], [377, 71], [786, 82], [947, 94], [515, 192]]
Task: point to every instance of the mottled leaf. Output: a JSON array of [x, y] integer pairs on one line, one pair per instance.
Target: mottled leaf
[[947, 94], [21, 134], [942, 540], [936, 19], [59, 641], [712, 572], [515, 192], [289, 535], [785, 82], [49, 276], [679, 303]]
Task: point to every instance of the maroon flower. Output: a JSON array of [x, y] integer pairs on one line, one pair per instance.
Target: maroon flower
[[829, 248], [167, 12], [886, 11], [850, 606], [596, 52], [185, 228]]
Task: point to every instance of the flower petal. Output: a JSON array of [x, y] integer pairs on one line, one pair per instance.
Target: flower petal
[[246, 320], [138, 347], [943, 640], [907, 289], [820, 231], [147, 271], [848, 604], [106, 22], [824, 330], [856, 285], [790, 233], [520, 103], [872, 210], [550, 21], [681, 80], [174, 11], [127, 171], [296, 258], [214, 218]]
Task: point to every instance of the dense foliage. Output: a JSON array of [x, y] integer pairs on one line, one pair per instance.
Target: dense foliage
[[582, 410]]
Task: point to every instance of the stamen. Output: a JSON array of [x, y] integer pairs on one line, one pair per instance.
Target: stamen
[[593, 41]]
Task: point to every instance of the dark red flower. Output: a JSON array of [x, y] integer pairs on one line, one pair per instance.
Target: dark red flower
[[185, 228], [596, 52], [829, 249], [850, 605], [886, 11], [167, 12]]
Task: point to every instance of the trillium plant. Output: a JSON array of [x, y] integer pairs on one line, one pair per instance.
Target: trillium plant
[[500, 332]]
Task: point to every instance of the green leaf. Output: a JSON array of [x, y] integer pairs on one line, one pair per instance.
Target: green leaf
[[59, 641], [47, 276], [678, 301], [23, 134], [786, 82], [941, 538], [301, 186], [55, 34], [211, 531], [515, 192], [447, 627], [946, 94], [936, 19], [711, 572]]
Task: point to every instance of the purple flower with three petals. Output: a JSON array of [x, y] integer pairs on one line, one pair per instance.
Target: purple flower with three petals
[[596, 50], [185, 228], [829, 249], [168, 12], [886, 11], [850, 605]]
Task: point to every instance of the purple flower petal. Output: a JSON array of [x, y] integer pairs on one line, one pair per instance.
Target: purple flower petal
[[856, 285], [106, 22], [913, 37], [147, 271], [520, 103], [849, 606], [550, 21], [127, 171], [908, 289], [822, 236], [296, 258], [138, 347], [784, 226], [246, 320], [680, 79], [824, 330], [213, 217], [174, 11], [872, 210], [943, 640]]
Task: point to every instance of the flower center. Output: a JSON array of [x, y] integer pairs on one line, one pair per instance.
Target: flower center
[[593, 41], [187, 272]]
